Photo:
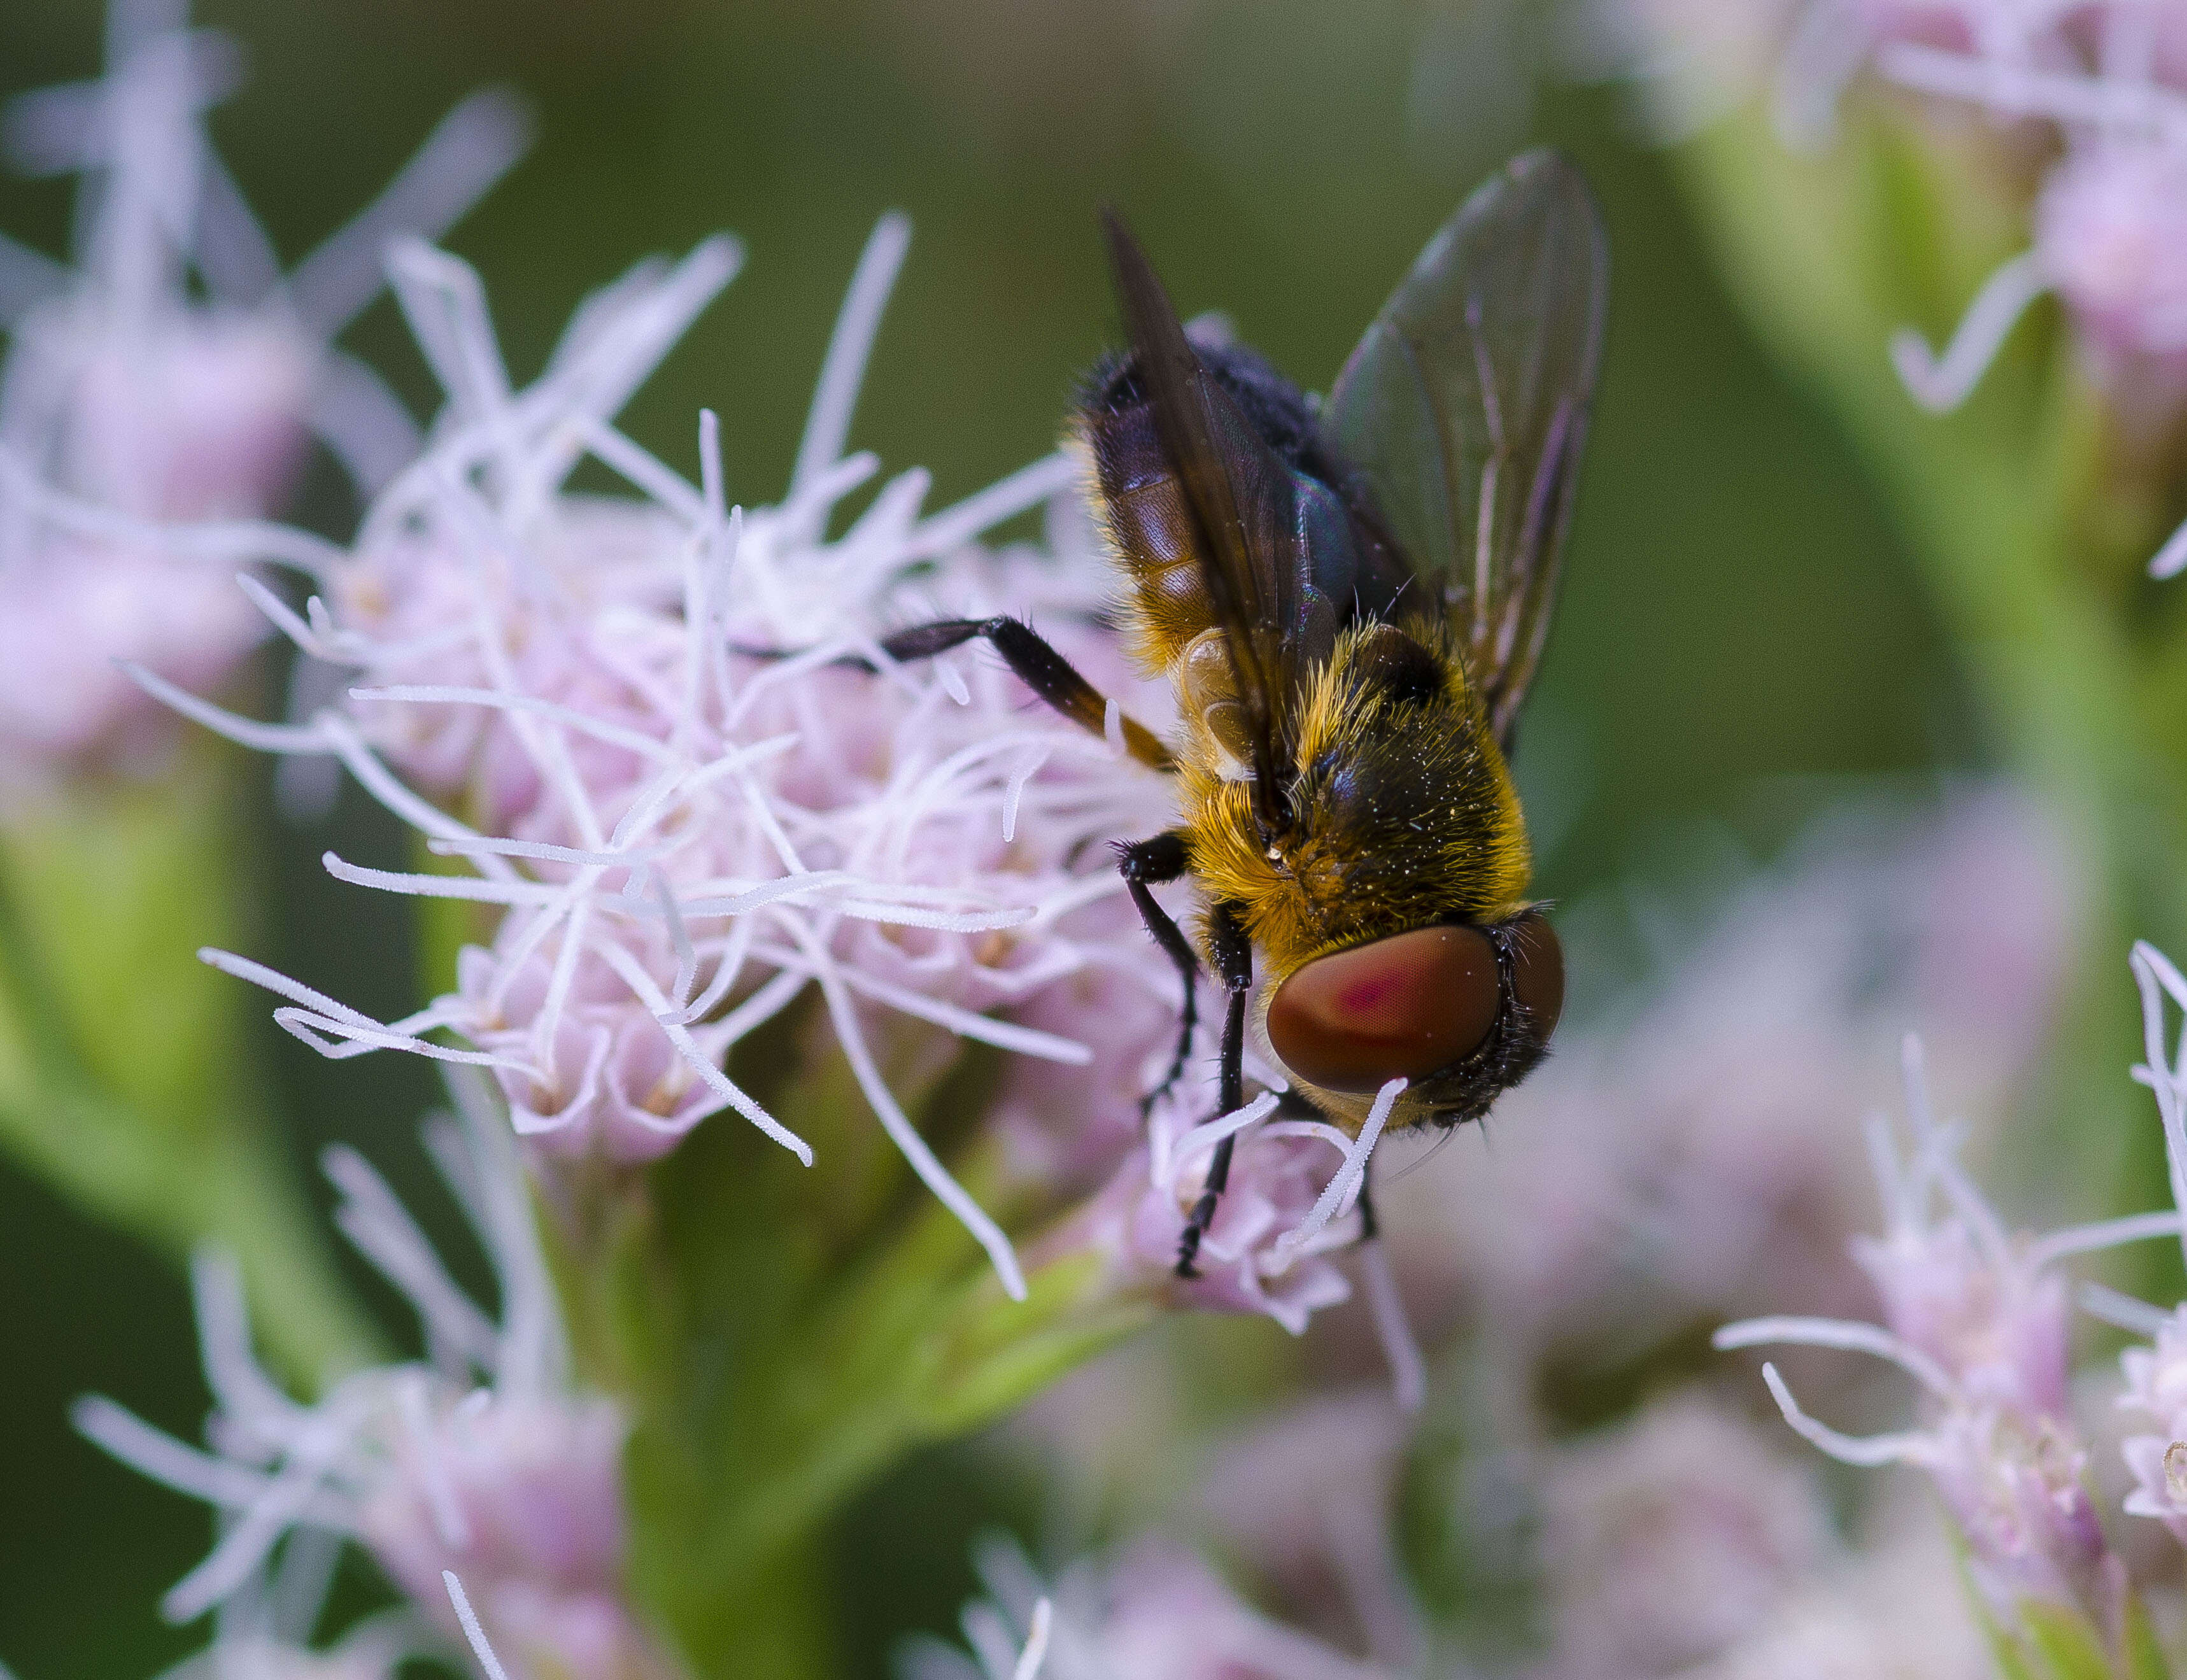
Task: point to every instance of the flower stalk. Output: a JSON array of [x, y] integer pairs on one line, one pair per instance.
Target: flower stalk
[[144, 1112]]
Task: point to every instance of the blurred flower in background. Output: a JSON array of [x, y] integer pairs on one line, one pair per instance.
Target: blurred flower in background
[[175, 372], [2085, 101], [481, 1458], [160, 397]]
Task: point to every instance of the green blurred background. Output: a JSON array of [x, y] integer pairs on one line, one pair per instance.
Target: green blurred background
[[1739, 630]]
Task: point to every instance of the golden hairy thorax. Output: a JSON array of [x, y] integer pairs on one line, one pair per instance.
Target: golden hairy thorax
[[1403, 813]]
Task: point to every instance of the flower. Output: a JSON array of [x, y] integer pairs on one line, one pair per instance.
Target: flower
[[1978, 1320], [1155, 1613], [480, 1457], [1670, 1538], [1279, 1229], [128, 391], [695, 789], [1305, 1501]]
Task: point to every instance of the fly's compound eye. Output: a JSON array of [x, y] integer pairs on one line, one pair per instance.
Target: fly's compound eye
[[1407, 1005]]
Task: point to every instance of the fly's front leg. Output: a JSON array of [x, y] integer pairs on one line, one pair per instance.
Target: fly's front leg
[[1233, 951], [1149, 862], [1039, 667]]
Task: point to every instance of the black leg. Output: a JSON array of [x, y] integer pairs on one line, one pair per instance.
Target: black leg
[[1151, 862], [1233, 951], [1038, 666]]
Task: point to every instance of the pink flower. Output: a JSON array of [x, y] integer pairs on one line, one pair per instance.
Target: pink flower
[[1977, 1320], [641, 722], [1288, 1212], [59, 705], [1155, 1613], [1979, 1304], [1276, 1177], [2015, 1487], [523, 1499], [1669, 1538], [2111, 232], [480, 1459], [175, 375]]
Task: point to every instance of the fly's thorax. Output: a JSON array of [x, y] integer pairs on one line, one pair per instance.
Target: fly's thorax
[[1402, 810]]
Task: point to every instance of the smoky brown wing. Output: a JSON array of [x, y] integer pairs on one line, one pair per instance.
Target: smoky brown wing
[[1242, 507], [1466, 402]]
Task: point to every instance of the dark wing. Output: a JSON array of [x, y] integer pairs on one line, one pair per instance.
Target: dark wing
[[1244, 511], [1465, 404]]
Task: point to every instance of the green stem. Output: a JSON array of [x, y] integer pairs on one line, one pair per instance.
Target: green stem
[[123, 1081], [775, 1365]]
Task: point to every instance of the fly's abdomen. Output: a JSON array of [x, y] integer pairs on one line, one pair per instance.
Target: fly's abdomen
[[1149, 525]]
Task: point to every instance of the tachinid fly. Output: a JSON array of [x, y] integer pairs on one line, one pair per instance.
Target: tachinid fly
[[1350, 599]]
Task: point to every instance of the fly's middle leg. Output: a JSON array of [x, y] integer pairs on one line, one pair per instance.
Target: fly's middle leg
[[1150, 862], [1233, 951]]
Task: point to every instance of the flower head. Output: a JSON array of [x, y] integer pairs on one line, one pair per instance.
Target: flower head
[[175, 374], [1977, 1319], [480, 1457], [1978, 1322], [667, 739]]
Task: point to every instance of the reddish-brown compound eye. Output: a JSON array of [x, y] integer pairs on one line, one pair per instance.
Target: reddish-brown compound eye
[[1408, 1004], [1537, 971]]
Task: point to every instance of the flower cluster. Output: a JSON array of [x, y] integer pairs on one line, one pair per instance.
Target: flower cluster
[[664, 742], [480, 1457], [1979, 1320], [174, 372], [2088, 101]]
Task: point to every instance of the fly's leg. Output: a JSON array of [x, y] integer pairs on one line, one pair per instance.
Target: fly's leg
[[1233, 951], [1149, 862], [1039, 667]]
